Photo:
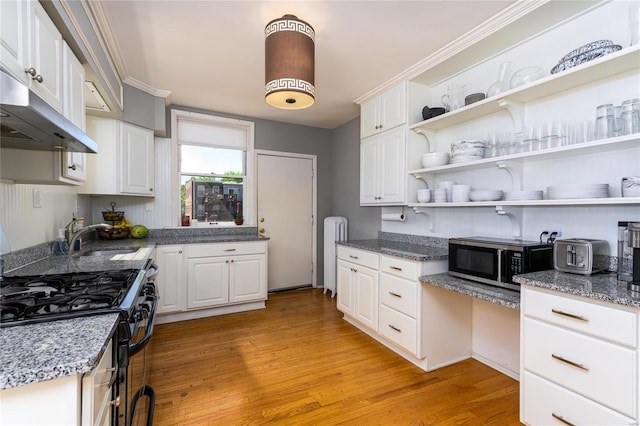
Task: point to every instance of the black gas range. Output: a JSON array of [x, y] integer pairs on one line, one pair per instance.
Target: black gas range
[[131, 293]]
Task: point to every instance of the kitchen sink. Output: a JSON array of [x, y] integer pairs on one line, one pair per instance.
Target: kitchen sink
[[108, 252]]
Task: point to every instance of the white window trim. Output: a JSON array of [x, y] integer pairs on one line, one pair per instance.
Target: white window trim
[[249, 196]]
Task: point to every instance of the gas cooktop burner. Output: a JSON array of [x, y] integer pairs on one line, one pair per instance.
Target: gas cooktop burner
[[46, 297]]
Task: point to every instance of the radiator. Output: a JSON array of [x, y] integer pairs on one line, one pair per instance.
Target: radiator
[[335, 229]]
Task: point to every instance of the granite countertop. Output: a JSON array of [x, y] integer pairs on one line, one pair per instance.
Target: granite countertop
[[44, 351], [605, 287], [498, 295], [400, 249]]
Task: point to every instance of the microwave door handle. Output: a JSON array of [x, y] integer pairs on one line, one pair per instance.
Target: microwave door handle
[[500, 254]]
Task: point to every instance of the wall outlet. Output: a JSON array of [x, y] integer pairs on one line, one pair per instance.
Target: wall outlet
[[551, 229], [37, 199]]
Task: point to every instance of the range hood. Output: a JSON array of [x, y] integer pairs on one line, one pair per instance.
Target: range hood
[[28, 122]]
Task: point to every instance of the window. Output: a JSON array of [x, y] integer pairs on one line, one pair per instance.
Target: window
[[214, 168]]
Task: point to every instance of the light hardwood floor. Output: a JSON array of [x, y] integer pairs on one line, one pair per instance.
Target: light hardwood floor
[[298, 362]]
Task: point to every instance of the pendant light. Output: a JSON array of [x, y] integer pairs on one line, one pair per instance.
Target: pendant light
[[289, 63]]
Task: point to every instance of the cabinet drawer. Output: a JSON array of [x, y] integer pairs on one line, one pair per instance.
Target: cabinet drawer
[[399, 328], [225, 249], [599, 370], [399, 294], [600, 321], [359, 257], [400, 267], [545, 403]]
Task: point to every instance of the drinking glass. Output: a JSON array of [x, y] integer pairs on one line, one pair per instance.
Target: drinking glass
[[605, 122], [630, 117]]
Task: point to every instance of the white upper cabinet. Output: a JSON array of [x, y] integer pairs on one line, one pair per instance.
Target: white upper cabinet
[[382, 168], [125, 162], [384, 112], [32, 49]]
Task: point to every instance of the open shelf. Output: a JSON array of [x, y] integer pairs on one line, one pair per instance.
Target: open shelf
[[627, 59], [602, 145], [564, 202]]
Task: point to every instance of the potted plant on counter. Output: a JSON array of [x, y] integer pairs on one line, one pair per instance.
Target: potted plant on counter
[[239, 219]]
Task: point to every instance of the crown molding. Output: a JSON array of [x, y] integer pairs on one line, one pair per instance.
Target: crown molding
[[148, 89]]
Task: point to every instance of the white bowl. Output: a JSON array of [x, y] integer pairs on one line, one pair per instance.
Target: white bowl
[[424, 195], [435, 159]]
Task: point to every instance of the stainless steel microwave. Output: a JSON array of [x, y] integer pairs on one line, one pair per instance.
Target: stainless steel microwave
[[495, 261]]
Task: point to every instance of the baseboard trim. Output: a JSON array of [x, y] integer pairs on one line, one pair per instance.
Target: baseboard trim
[[498, 367], [210, 312]]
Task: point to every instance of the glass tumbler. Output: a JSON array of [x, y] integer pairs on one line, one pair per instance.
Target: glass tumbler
[[630, 117], [605, 122]]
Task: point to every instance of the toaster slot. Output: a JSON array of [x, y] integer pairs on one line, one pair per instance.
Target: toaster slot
[[572, 255]]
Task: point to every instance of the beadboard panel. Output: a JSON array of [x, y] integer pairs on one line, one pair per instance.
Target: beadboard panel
[[26, 225], [151, 212]]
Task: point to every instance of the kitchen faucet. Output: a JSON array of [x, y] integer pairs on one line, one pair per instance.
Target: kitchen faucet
[[77, 234]]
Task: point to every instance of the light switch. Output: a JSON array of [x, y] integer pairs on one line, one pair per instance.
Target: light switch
[[37, 199]]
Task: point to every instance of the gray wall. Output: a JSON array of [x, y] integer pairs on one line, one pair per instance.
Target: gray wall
[[285, 137], [364, 222], [144, 109]]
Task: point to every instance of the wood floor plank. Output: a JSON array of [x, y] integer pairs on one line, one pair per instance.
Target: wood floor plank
[[297, 362]]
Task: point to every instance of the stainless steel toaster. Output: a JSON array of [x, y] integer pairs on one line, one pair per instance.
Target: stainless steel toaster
[[581, 255]]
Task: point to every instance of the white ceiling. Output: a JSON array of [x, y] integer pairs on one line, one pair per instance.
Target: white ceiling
[[210, 54]]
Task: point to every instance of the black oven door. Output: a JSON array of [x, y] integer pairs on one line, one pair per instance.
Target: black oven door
[[139, 397], [481, 264]]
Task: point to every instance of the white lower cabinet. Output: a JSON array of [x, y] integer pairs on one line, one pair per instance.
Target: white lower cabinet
[[413, 319], [574, 370], [198, 280], [71, 400], [170, 278]]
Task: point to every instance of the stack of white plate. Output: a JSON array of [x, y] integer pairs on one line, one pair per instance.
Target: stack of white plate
[[485, 195], [467, 151], [582, 190], [522, 195]]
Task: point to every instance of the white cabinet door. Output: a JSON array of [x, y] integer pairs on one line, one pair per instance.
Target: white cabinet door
[[345, 287], [366, 296], [136, 158], [45, 56], [393, 110], [74, 164], [369, 165], [247, 278], [170, 278], [369, 117], [392, 173], [382, 168], [207, 282], [14, 26]]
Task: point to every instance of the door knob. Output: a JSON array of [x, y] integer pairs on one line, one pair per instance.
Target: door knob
[[262, 230]]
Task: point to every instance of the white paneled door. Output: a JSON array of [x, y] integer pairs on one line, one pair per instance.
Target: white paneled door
[[285, 215]]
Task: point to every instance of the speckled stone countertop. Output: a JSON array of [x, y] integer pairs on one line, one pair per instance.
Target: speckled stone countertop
[[605, 287], [405, 246], [44, 351], [498, 295]]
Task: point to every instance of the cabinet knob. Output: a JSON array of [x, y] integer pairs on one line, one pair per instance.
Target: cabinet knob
[[38, 78], [377, 127], [262, 230], [150, 189], [179, 251], [31, 71], [72, 167], [262, 220], [380, 126]]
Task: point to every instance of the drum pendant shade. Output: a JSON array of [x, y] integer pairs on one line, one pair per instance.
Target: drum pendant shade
[[289, 63]]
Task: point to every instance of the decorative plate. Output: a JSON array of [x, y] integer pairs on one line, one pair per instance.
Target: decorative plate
[[585, 57]]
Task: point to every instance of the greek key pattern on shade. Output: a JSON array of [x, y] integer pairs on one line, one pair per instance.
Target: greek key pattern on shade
[[290, 25], [289, 84]]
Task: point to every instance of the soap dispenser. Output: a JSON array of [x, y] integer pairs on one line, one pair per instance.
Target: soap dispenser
[[60, 245]]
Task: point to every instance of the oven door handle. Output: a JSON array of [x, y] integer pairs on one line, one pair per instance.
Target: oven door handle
[[153, 274], [134, 348], [145, 390]]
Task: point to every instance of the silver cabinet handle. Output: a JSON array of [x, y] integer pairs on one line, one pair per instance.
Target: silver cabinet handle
[[353, 257], [73, 167], [395, 268], [179, 251], [354, 270], [393, 327], [562, 419], [31, 71], [229, 250], [395, 294], [570, 315], [38, 78], [568, 361]]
